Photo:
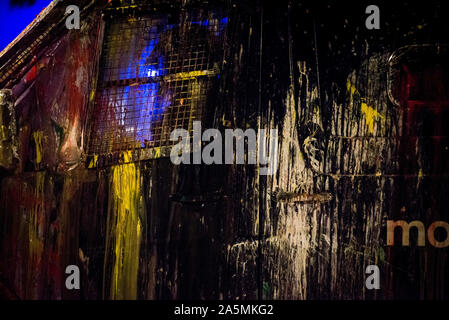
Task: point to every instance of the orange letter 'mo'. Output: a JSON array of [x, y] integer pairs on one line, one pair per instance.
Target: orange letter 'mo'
[[391, 225]]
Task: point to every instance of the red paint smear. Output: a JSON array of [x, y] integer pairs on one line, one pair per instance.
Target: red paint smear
[[31, 75]]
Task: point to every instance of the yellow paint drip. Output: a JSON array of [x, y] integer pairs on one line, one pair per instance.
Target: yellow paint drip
[[37, 135], [3, 133], [92, 95], [126, 228]]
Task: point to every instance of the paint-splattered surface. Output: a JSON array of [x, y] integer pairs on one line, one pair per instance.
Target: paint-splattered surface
[[148, 229]]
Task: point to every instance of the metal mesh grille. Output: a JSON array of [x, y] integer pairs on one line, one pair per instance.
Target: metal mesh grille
[[155, 78]]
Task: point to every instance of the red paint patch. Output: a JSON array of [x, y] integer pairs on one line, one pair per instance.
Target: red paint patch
[[31, 75]]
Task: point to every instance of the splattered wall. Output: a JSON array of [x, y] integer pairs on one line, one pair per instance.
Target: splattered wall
[[87, 180]]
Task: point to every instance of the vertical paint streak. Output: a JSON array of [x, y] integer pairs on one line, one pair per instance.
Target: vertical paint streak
[[35, 236], [126, 229], [37, 135]]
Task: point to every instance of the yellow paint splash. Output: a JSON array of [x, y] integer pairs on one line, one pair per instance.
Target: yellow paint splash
[[157, 152], [226, 123], [370, 113], [352, 90], [125, 227], [93, 162], [37, 135], [189, 75]]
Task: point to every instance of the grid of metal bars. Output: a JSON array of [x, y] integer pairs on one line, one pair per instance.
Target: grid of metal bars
[[154, 78]]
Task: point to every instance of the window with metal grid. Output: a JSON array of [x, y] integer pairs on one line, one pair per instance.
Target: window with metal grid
[[154, 78]]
